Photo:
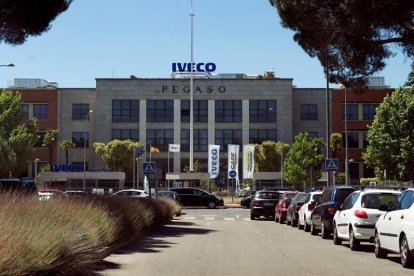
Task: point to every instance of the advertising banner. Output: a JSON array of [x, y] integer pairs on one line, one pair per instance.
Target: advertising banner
[[213, 160], [174, 148], [248, 161], [233, 161]]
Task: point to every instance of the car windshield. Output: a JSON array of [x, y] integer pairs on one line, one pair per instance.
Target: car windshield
[[267, 195], [316, 198], [374, 201], [342, 194], [302, 197]]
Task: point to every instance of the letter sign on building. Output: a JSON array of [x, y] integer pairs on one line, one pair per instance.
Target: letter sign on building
[[197, 67]]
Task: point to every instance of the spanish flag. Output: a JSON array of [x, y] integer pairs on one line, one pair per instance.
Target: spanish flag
[[154, 149]]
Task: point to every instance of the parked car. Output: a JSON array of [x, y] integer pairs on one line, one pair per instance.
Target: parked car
[[168, 194], [263, 204], [394, 230], [292, 215], [246, 200], [355, 219], [131, 193], [322, 216], [45, 196], [198, 197], [75, 193], [305, 211], [285, 198], [53, 191]]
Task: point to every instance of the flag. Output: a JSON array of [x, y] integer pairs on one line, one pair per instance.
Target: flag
[[233, 161], [213, 160], [154, 149], [248, 161]]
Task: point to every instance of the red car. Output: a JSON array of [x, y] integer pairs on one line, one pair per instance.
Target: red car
[[281, 208]]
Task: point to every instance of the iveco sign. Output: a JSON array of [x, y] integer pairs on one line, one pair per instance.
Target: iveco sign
[[197, 67]]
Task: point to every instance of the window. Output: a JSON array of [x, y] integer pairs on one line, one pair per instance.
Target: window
[[351, 111], [406, 199], [228, 111], [200, 140], [40, 111], [160, 111], [39, 142], [368, 111], [200, 111], [228, 136], [160, 138], [124, 134], [80, 138], [309, 112], [24, 108], [364, 139], [313, 134], [352, 140], [80, 111], [259, 111], [125, 110], [257, 136]]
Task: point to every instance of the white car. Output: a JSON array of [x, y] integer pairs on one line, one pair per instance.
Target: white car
[[394, 230], [356, 218], [306, 210], [131, 193]]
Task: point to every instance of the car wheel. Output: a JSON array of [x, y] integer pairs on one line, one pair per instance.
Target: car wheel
[[379, 252], [281, 221], [252, 217], [353, 242], [336, 239], [324, 232], [212, 205], [276, 218], [306, 226], [300, 226], [313, 231], [407, 260], [293, 223]]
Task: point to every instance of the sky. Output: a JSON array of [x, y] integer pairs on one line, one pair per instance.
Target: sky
[[119, 38]]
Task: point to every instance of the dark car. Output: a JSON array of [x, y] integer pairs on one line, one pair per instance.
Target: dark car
[[292, 216], [263, 204], [329, 202], [245, 201], [168, 194], [198, 197], [285, 198]]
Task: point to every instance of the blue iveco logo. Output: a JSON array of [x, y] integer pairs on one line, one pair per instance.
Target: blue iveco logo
[[197, 67]]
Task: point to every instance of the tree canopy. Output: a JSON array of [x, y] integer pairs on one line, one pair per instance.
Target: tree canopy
[[23, 18], [352, 37], [267, 156], [391, 137]]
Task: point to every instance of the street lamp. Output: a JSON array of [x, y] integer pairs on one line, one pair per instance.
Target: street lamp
[[281, 141], [7, 65], [35, 168], [346, 140], [84, 149]]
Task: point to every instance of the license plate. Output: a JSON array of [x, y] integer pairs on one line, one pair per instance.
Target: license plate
[[268, 204]]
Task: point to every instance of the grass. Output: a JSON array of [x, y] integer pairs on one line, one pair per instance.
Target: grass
[[67, 235]]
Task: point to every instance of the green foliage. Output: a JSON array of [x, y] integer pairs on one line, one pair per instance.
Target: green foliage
[[66, 145], [367, 181], [301, 158], [117, 154], [391, 137], [196, 167], [21, 19], [340, 178], [208, 185], [410, 79], [335, 143], [267, 156], [353, 38]]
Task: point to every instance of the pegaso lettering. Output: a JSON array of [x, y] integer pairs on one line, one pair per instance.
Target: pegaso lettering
[[197, 67], [175, 89]]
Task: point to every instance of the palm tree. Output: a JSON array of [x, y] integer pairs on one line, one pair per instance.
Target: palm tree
[[66, 145], [51, 137]]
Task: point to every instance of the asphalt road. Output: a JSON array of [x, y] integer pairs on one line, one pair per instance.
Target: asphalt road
[[226, 242]]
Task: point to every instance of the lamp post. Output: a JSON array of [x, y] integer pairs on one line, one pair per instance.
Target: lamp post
[[35, 168], [84, 149], [281, 142], [346, 140]]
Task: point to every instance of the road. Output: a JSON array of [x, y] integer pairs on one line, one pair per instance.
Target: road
[[227, 242]]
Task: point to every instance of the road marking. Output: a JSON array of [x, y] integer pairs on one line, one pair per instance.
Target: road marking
[[209, 218], [229, 219], [192, 218]]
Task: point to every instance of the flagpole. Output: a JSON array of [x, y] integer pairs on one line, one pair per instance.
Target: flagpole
[[191, 93], [133, 169], [168, 166], [150, 151]]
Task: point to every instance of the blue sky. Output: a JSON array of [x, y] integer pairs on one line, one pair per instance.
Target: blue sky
[[108, 38]]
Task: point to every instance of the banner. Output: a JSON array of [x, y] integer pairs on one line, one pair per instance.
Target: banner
[[213, 160], [248, 161], [233, 161], [174, 148]]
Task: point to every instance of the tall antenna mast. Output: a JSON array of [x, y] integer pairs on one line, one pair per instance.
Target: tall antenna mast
[[191, 92]]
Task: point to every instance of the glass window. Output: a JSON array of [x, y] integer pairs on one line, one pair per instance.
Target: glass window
[[364, 139], [40, 111], [313, 134], [342, 194], [200, 111], [351, 111], [80, 111], [160, 138], [348, 203], [24, 108], [124, 134], [200, 140], [125, 110], [259, 111], [228, 111], [309, 112], [80, 138], [228, 136], [160, 111], [374, 201], [257, 136], [406, 199], [368, 111], [352, 140]]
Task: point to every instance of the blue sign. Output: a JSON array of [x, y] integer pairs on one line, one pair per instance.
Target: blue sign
[[149, 168], [139, 151], [197, 67], [331, 165], [232, 174]]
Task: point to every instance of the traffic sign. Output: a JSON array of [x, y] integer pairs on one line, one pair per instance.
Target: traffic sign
[[149, 168], [232, 174], [331, 165]]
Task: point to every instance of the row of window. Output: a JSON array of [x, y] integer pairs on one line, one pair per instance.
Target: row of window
[[355, 111]]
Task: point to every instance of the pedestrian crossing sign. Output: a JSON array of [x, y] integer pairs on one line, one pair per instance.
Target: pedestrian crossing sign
[[149, 168], [331, 165]]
